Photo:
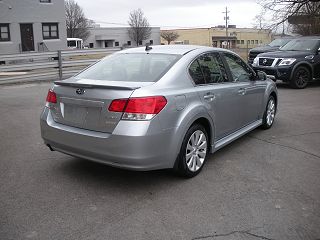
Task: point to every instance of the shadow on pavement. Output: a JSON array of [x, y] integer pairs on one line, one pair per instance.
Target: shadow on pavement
[[283, 85], [90, 172]]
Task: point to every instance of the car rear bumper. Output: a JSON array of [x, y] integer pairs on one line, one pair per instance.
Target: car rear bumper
[[281, 73], [141, 150]]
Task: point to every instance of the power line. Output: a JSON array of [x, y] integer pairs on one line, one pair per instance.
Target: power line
[[162, 26]]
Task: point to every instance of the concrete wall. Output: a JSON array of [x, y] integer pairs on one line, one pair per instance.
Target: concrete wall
[[203, 36], [15, 12], [98, 36]]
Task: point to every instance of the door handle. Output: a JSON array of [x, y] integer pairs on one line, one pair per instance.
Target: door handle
[[209, 97], [242, 91]]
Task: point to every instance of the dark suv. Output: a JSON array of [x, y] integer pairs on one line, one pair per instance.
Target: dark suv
[[271, 47], [298, 62]]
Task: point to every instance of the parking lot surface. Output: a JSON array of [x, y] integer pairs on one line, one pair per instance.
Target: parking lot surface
[[265, 185]]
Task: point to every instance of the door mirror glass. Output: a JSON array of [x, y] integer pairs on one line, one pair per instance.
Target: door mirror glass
[[261, 75]]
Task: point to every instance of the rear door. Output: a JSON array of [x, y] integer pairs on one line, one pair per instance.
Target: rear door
[[250, 92], [219, 96]]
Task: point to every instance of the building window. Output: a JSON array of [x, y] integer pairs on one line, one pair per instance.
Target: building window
[[45, 1], [186, 42], [50, 30], [4, 32], [242, 41], [140, 42], [252, 41], [116, 44], [238, 41], [151, 42], [257, 41], [91, 45], [129, 43]]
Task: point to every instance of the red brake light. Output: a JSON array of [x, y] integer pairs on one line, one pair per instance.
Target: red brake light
[[118, 105], [146, 105], [51, 97], [142, 108]]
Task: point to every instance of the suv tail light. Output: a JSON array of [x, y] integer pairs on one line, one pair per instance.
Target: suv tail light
[[51, 97], [142, 108]]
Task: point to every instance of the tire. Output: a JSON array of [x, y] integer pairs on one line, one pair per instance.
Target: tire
[[301, 77], [193, 152], [269, 113]]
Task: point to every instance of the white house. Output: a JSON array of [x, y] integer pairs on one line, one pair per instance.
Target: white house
[[117, 37], [32, 26]]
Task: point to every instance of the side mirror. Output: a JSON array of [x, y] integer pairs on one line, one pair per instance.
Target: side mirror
[[261, 75], [253, 76]]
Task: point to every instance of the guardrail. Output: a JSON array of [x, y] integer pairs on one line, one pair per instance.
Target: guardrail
[[48, 65]]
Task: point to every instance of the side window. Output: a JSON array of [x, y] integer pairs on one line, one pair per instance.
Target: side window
[[196, 73], [212, 68], [208, 68], [239, 70]]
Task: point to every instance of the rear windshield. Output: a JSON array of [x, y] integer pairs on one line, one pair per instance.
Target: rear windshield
[[131, 67], [301, 45]]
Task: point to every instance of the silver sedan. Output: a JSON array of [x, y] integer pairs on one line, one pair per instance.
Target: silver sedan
[[158, 107]]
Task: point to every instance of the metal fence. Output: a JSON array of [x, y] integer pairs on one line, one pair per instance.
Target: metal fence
[[48, 65]]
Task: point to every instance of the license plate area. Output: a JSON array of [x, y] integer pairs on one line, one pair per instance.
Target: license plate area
[[75, 114], [82, 113]]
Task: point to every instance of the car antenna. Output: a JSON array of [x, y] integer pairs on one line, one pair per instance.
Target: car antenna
[[148, 48]]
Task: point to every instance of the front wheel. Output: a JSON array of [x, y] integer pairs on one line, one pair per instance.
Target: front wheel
[[269, 114], [193, 152], [301, 77]]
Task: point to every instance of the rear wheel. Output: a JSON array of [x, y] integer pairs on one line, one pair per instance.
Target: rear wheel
[[269, 114], [301, 77], [193, 152]]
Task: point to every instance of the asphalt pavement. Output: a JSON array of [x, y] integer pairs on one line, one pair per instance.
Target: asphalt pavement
[[265, 185]]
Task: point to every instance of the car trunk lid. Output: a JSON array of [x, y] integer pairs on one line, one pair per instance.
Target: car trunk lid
[[84, 103]]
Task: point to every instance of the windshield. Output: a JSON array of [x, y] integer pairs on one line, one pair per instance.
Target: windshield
[[278, 42], [301, 45], [134, 67], [71, 43]]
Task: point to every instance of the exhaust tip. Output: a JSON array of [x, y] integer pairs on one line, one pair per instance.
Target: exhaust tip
[[51, 149]]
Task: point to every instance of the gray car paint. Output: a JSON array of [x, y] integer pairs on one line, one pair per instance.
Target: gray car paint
[[155, 144]]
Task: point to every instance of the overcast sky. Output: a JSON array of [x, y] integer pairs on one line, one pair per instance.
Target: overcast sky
[[172, 13]]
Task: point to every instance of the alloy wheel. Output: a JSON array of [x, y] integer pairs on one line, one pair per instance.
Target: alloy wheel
[[270, 112], [196, 150], [302, 78]]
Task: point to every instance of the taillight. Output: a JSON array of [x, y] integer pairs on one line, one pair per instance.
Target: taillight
[[117, 105], [51, 97], [143, 108]]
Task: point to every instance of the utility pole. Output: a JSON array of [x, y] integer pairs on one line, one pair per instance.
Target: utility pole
[[226, 18]]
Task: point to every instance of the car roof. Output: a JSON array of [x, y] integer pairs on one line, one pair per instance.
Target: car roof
[[171, 49]]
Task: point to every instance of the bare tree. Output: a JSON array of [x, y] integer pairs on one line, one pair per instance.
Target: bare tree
[[169, 36], [77, 23], [259, 22], [139, 26], [284, 10]]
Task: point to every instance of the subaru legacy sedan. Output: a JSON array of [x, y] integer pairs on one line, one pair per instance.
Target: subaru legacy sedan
[[157, 107]]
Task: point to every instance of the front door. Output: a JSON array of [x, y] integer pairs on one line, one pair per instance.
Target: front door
[[27, 43], [250, 93]]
